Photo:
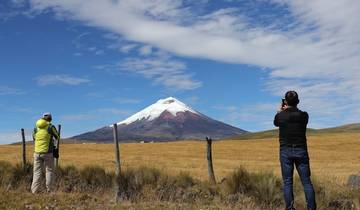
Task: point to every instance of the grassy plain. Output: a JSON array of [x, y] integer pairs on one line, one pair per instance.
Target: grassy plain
[[334, 157]]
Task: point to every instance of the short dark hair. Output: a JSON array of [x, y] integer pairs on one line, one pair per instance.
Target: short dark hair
[[292, 98]]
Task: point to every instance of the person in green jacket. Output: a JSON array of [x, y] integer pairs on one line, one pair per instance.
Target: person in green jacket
[[44, 135]]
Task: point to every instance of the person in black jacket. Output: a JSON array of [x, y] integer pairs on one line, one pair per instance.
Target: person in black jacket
[[292, 124]]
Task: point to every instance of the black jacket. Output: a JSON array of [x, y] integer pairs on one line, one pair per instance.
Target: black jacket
[[292, 124]]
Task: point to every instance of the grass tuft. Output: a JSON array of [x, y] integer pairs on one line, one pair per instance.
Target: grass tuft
[[238, 182], [94, 178], [264, 187]]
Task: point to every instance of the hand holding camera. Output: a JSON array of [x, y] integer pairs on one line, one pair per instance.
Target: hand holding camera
[[283, 105]]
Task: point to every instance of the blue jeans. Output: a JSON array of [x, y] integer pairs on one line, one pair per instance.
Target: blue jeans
[[298, 156]]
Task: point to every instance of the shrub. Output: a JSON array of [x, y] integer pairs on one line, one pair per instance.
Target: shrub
[[68, 179], [133, 181], [238, 182], [13, 176], [184, 180], [264, 187], [176, 188], [94, 178], [22, 175], [90, 178], [5, 173]]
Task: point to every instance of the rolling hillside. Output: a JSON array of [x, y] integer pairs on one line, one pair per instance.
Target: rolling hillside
[[350, 128]]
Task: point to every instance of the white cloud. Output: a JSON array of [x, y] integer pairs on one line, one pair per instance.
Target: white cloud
[[318, 53], [5, 90], [58, 79]]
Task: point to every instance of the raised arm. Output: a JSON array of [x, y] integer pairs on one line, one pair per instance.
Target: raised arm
[[55, 133], [276, 120], [34, 133]]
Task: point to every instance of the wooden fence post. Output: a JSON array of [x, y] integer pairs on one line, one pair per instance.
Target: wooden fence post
[[23, 148], [209, 160], [57, 146], [117, 166]]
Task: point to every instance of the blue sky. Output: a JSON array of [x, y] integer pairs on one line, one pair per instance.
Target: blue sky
[[92, 63]]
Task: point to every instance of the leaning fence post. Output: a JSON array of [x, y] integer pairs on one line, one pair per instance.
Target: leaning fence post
[[57, 146], [209, 160], [23, 148], [117, 167]]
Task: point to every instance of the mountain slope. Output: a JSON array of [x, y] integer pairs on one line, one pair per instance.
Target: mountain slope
[[167, 119]]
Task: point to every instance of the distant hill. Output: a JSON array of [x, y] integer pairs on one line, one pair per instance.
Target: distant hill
[[350, 128]]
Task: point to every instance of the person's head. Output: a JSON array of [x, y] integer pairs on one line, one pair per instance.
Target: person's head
[[292, 98], [47, 117]]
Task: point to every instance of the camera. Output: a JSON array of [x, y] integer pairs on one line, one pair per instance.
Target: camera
[[283, 102]]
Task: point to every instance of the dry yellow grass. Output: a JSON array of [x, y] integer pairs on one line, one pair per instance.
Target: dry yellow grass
[[333, 157]]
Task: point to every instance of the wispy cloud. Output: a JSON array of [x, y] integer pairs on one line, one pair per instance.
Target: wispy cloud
[[78, 54], [77, 117], [96, 114], [87, 44], [17, 109], [118, 43], [314, 47], [192, 100], [126, 100], [15, 136], [161, 69], [95, 95], [261, 114], [5, 90], [168, 72], [145, 50], [9, 9], [60, 79], [13, 8], [18, 3]]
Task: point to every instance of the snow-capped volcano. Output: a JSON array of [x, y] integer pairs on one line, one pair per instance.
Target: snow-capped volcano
[[171, 105], [167, 119]]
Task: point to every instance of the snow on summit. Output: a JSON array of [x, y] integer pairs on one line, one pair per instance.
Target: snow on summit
[[153, 111]]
